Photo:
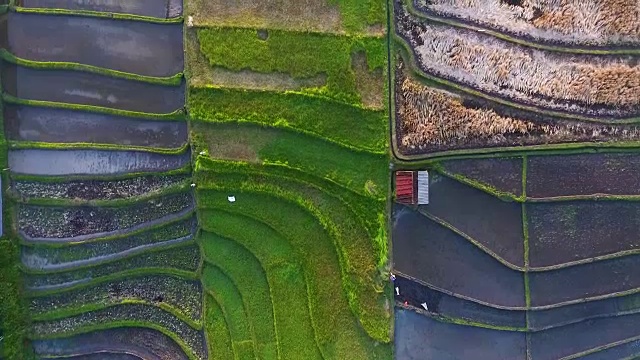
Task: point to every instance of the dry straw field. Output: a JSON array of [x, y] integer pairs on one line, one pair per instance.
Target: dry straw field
[[584, 22]]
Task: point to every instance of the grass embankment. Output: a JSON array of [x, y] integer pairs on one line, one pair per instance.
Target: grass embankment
[[298, 54], [216, 330], [337, 330]]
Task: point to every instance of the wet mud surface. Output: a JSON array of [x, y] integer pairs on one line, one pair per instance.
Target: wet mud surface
[[494, 223], [82, 88], [418, 337], [438, 303], [572, 339], [27, 123], [97, 189], [583, 174], [136, 47], [153, 8], [92, 162], [144, 343], [561, 232], [503, 174], [585, 281], [72, 222], [436, 255]]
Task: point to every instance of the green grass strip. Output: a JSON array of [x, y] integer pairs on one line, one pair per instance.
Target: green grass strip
[[216, 331], [354, 127], [174, 80], [358, 14], [537, 44], [173, 116], [247, 274], [361, 258], [295, 333], [98, 14], [220, 286], [120, 324], [90, 146], [299, 54], [338, 332]]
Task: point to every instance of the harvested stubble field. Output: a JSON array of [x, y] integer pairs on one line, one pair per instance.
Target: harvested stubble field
[[144, 343], [583, 174], [592, 85], [183, 261], [566, 22], [562, 232], [191, 340], [501, 175], [301, 56], [334, 16], [430, 120]]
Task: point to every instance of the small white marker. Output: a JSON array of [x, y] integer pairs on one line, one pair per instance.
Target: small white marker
[[397, 291], [193, 184], [231, 198], [203, 152], [424, 305]]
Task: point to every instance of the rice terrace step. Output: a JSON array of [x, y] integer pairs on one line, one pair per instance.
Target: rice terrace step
[[320, 179]]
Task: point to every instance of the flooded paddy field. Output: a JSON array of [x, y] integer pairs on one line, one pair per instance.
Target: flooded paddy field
[[430, 252], [143, 342], [129, 312], [494, 223], [599, 278], [185, 258], [561, 232], [29, 123], [419, 337], [503, 174], [583, 174], [572, 339], [107, 356], [84, 254], [136, 47], [71, 222], [182, 295], [166, 9], [542, 319], [438, 303], [97, 189], [83, 88], [92, 162], [626, 351]]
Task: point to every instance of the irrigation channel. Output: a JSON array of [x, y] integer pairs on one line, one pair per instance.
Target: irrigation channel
[[93, 103]]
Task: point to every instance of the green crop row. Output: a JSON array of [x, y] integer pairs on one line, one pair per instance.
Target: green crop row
[[359, 14], [350, 126], [99, 14], [299, 54], [216, 330], [172, 116], [174, 80]]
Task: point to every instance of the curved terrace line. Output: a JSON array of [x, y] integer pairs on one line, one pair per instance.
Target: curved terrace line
[[544, 307], [224, 318], [19, 145], [134, 354], [99, 14], [519, 40], [7, 56], [418, 72], [603, 348], [184, 170], [95, 236]]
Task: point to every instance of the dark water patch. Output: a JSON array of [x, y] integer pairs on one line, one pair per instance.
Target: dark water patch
[[151, 8], [542, 319], [599, 278], [102, 355], [27, 123], [503, 174], [629, 350], [92, 162], [583, 174], [439, 303], [128, 312], [418, 337], [70, 222], [83, 88], [136, 47], [430, 252], [561, 232], [185, 258], [494, 223], [573, 339]]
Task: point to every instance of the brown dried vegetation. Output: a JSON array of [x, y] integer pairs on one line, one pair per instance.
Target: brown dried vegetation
[[588, 22], [594, 85], [431, 120]]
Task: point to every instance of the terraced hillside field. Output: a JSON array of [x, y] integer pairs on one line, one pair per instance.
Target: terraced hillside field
[[528, 246]]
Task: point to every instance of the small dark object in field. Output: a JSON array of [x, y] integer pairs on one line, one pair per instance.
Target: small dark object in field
[[263, 34]]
